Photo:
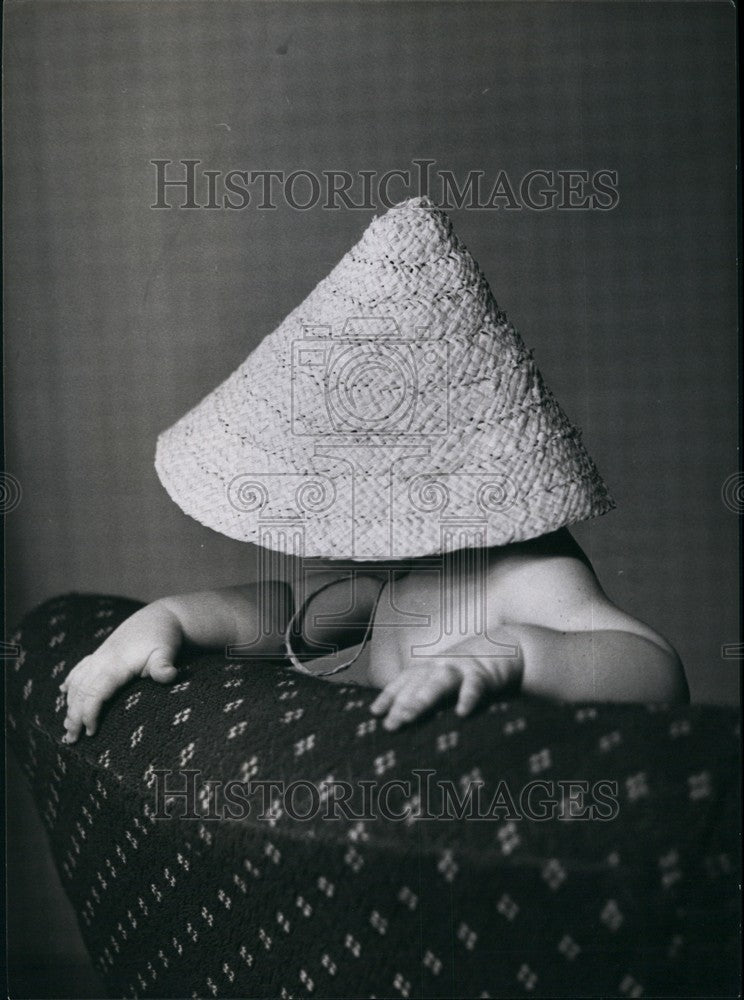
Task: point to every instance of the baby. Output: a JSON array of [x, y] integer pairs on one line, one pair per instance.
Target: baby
[[551, 631], [395, 403]]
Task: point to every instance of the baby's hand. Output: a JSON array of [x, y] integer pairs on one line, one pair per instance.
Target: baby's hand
[[145, 645], [471, 677]]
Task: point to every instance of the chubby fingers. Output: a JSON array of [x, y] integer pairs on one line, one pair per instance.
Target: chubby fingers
[[73, 722], [73, 726], [81, 713], [413, 692], [386, 697], [472, 689], [86, 687], [97, 677]]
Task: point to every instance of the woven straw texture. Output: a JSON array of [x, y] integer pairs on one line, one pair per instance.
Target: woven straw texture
[[395, 413]]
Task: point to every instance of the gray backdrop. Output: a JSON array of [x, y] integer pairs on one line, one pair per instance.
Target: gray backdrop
[[120, 318]]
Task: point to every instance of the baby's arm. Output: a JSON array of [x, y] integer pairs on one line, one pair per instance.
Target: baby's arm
[[576, 644], [600, 665], [568, 642], [593, 665], [147, 643]]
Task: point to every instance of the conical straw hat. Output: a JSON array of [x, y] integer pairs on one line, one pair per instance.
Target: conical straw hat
[[396, 413]]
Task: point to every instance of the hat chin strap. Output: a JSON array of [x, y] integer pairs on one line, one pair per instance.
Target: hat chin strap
[[299, 615]]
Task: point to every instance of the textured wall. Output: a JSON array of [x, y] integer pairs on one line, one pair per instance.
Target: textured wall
[[119, 318]]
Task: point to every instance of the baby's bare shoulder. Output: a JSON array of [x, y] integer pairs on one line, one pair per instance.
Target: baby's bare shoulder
[[550, 568], [551, 583]]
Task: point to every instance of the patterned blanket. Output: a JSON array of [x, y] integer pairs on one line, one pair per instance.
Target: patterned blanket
[[253, 832]]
